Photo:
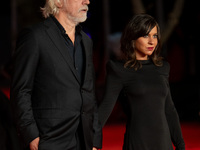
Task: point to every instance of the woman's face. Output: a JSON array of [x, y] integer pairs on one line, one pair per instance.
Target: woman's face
[[145, 46]]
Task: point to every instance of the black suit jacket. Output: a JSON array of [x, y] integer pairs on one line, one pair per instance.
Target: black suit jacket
[[46, 93]]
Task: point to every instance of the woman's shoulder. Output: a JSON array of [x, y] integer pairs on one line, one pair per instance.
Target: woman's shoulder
[[166, 65], [115, 63], [115, 66], [165, 68]]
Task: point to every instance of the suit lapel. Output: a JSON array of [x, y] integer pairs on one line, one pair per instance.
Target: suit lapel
[[58, 40]]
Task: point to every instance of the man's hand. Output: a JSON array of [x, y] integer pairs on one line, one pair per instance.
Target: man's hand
[[34, 144]]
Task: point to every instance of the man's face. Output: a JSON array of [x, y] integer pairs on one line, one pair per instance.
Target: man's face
[[76, 10]]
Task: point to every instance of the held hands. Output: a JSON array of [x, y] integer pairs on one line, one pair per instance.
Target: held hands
[[34, 144], [94, 148]]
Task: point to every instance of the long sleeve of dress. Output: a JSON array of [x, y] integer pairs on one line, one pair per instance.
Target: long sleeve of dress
[[112, 89], [174, 125], [173, 122]]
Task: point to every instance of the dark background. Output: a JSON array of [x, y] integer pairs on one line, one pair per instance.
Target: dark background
[[106, 20]]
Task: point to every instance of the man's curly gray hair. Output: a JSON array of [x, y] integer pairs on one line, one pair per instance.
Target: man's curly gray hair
[[50, 8]]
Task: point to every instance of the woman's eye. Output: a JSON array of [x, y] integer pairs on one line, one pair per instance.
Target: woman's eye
[[155, 36], [145, 36]]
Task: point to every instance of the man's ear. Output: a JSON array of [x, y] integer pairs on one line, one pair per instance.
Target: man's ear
[[59, 3]]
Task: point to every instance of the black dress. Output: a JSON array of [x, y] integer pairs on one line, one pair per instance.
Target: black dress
[[152, 120]]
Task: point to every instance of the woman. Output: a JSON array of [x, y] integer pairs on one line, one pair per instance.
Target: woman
[[142, 76]]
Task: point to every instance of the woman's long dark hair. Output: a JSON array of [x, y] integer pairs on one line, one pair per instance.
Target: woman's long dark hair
[[140, 25]]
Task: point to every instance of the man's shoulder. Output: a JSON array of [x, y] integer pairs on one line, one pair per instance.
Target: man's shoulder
[[37, 29], [40, 25]]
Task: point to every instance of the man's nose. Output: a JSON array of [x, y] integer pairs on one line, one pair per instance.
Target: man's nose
[[87, 2]]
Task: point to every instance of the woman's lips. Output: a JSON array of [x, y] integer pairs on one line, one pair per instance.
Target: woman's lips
[[150, 48]]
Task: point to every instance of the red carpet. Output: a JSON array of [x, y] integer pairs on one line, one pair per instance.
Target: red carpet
[[6, 91], [113, 133], [113, 136]]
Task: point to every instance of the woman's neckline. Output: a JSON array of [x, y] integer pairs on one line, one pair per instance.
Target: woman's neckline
[[145, 61]]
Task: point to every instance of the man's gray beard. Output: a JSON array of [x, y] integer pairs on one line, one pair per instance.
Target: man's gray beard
[[78, 20]]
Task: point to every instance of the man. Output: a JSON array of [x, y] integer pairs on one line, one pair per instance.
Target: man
[[52, 89]]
